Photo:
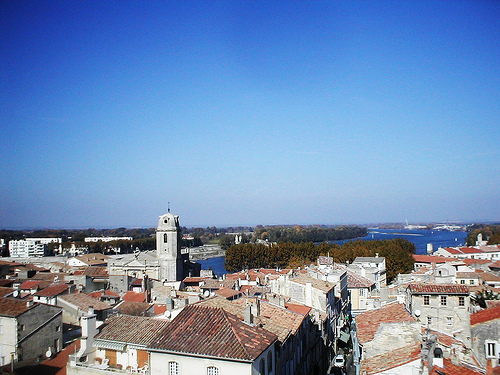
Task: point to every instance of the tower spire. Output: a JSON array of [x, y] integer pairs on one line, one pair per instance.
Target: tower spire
[[168, 206]]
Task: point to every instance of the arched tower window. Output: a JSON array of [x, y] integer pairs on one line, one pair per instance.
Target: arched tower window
[[165, 238]]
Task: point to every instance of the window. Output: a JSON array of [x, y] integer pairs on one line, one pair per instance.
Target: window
[[173, 368], [443, 300], [362, 292], [262, 367], [472, 282], [23, 327], [212, 370], [427, 300], [429, 320], [462, 281], [269, 362], [461, 301], [491, 349], [56, 345], [58, 328], [449, 321]]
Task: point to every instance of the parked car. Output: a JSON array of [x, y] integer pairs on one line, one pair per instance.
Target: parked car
[[339, 361]]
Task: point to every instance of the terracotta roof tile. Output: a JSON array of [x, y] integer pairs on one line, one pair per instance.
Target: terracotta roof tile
[[134, 297], [228, 293], [4, 291], [495, 265], [357, 281], [277, 320], [438, 289], [13, 307], [30, 284], [392, 359], [322, 285], [211, 331], [53, 290], [467, 275], [103, 293], [451, 369], [369, 321], [96, 272], [84, 301], [485, 315], [131, 329], [421, 258]]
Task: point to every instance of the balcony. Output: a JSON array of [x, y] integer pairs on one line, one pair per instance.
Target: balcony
[[76, 367]]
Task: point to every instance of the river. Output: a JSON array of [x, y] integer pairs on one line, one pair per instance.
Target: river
[[419, 237]]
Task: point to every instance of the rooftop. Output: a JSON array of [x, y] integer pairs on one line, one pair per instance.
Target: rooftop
[[52, 290], [131, 329], [211, 331], [84, 301], [369, 321], [438, 289], [13, 307], [392, 359], [485, 315]]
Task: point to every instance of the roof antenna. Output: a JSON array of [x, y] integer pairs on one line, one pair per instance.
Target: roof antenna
[[168, 206]]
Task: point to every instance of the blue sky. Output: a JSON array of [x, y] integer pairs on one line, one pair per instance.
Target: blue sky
[[248, 112]]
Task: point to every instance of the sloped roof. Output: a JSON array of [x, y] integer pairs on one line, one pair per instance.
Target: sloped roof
[[275, 319], [369, 321], [467, 275], [485, 315], [438, 289], [227, 293], [488, 276], [30, 284], [422, 258], [495, 265], [451, 369], [357, 281], [84, 301], [131, 296], [322, 285], [211, 331], [13, 307], [104, 293], [131, 329], [5, 291], [392, 359], [96, 271], [52, 290], [134, 308]]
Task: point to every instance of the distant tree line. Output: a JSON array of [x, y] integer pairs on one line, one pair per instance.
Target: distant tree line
[[490, 232], [397, 252], [298, 234]]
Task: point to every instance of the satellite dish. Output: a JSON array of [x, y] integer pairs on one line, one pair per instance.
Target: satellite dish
[[167, 314], [48, 353], [417, 313], [206, 293], [16, 293]]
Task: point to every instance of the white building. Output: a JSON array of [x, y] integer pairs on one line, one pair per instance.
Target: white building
[[29, 248], [106, 239]]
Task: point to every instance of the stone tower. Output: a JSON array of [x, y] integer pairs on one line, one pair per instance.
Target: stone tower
[[168, 247]]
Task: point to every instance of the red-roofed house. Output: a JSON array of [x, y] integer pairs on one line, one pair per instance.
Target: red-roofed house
[[209, 340], [485, 330], [49, 295], [442, 307]]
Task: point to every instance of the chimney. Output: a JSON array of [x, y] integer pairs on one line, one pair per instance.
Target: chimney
[[247, 314], [89, 330], [489, 367]]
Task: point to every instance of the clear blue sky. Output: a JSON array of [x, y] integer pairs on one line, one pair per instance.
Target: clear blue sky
[[248, 112]]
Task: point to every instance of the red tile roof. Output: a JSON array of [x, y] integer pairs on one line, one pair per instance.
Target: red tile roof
[[131, 329], [299, 309], [4, 291], [392, 359], [451, 369], [53, 290], [13, 307], [485, 315], [470, 250], [421, 258], [227, 293], [488, 276], [103, 293], [495, 265], [134, 297], [468, 261], [369, 321], [211, 331], [96, 272], [30, 284], [438, 289]]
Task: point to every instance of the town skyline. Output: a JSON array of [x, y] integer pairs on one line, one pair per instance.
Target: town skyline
[[247, 113]]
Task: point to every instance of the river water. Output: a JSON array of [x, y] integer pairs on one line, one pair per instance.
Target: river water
[[419, 237]]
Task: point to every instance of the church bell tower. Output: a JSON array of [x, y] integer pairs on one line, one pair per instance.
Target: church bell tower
[[168, 247]]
